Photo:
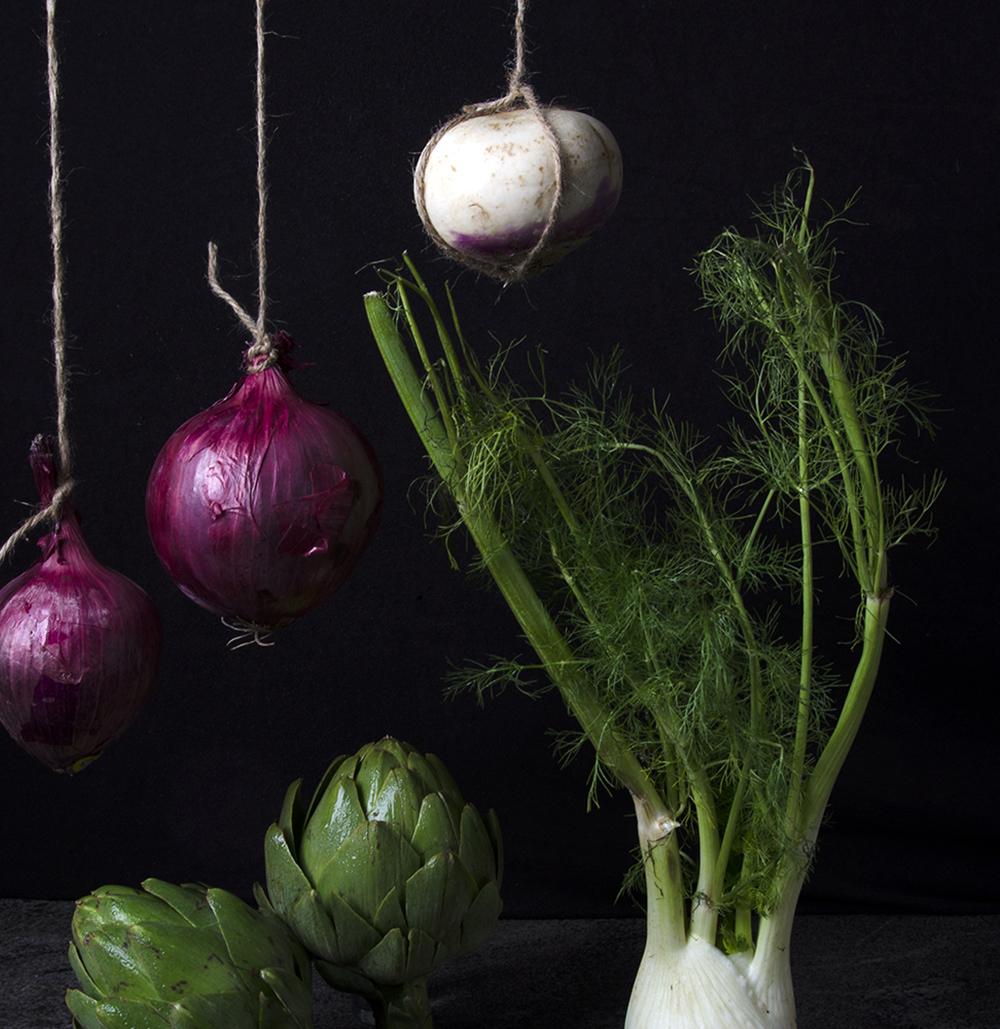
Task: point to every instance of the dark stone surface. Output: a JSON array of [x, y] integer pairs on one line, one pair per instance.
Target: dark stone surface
[[851, 972]]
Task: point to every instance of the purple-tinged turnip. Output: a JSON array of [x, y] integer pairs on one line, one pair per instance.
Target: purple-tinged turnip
[[486, 186]]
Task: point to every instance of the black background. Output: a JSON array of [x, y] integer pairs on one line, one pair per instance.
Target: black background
[[707, 102]]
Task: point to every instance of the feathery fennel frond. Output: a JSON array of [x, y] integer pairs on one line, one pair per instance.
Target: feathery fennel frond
[[668, 581]]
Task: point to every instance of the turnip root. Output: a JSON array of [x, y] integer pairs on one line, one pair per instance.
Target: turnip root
[[487, 185]]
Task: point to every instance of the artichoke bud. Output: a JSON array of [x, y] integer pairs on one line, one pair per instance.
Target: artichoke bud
[[184, 956], [385, 874]]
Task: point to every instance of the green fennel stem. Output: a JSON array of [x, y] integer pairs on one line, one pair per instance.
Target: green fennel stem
[[521, 597], [818, 401], [704, 907], [834, 754], [660, 855], [874, 521], [806, 646]]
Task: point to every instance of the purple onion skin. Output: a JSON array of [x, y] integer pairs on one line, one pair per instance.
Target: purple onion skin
[[260, 506], [79, 647]]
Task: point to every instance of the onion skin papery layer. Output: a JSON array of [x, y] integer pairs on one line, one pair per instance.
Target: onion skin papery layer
[[79, 646], [260, 506]]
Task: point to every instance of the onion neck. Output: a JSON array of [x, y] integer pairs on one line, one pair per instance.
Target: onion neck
[[272, 350]]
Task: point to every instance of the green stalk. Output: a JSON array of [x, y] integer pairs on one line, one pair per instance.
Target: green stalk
[[729, 835], [850, 491], [440, 396], [743, 926], [676, 760], [673, 773], [805, 667], [754, 533], [843, 398], [450, 354], [831, 760], [705, 906], [531, 615], [661, 861]]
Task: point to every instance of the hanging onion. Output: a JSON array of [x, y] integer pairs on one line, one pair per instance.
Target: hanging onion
[[79, 643], [260, 506]]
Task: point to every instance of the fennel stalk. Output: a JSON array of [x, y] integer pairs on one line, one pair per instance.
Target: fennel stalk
[[649, 574]]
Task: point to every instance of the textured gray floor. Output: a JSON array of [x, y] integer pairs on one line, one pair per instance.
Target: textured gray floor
[[856, 972]]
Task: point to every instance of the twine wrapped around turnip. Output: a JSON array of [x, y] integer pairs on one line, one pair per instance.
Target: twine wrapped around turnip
[[510, 186]]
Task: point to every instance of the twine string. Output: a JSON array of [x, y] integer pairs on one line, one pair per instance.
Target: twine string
[[263, 352], [519, 94], [261, 181], [52, 511]]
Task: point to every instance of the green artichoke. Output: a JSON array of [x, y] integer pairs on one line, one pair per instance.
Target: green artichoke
[[184, 957], [385, 875]]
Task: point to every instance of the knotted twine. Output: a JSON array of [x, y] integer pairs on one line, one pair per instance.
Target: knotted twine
[[263, 351], [64, 480], [519, 94]]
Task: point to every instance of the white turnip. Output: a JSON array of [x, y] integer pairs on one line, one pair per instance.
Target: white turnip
[[486, 187]]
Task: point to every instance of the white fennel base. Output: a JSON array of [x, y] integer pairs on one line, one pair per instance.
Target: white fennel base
[[697, 987]]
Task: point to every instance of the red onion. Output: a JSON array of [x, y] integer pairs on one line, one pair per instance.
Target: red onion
[[260, 506], [79, 644]]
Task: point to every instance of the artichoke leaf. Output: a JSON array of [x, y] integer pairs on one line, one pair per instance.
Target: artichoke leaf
[[377, 761], [181, 1019], [482, 917], [121, 905], [188, 901], [475, 849], [208, 1010], [387, 961], [295, 1000], [347, 980], [264, 901], [437, 827], [396, 802], [83, 1010], [292, 811], [354, 934], [286, 882], [419, 766], [250, 938], [340, 767], [445, 783], [110, 961], [372, 860], [312, 926], [389, 914], [129, 1014], [438, 895], [338, 814], [171, 961], [117, 1014], [87, 984], [301, 965], [421, 956]]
